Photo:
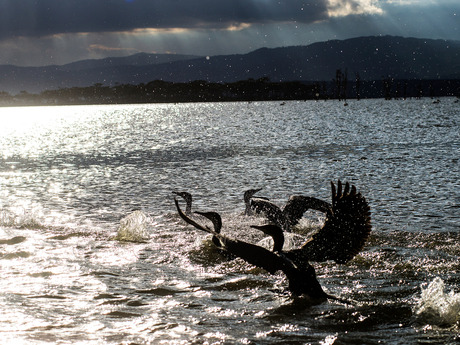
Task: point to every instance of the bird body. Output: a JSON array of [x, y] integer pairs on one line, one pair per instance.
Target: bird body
[[267, 260], [343, 235]]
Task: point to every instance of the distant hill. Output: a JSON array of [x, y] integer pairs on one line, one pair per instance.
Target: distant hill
[[372, 57], [140, 59]]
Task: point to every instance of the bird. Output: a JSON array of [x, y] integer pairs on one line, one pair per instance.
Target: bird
[[269, 260], [217, 221], [345, 230], [247, 200], [342, 237], [292, 212], [188, 200]]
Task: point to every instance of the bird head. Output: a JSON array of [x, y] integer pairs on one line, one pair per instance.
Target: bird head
[[275, 232], [214, 217], [187, 196], [249, 194]]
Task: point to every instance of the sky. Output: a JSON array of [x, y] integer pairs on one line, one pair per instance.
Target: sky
[[56, 32]]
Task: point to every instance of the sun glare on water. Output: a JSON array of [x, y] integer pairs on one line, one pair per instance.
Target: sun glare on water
[[23, 119]]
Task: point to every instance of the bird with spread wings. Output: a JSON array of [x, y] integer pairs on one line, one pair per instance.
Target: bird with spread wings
[[342, 237]]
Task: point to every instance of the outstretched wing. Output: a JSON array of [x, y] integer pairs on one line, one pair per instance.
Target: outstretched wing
[[270, 209], [345, 230], [297, 205]]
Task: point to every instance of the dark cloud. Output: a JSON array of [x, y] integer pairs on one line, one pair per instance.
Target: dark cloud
[[44, 32], [36, 18]]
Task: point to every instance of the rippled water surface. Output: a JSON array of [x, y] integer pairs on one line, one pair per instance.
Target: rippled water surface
[[75, 182]]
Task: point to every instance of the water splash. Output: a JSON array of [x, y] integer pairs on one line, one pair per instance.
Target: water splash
[[21, 219], [329, 340], [133, 228], [436, 307], [291, 241]]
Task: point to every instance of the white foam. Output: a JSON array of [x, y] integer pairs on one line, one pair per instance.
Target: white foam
[[436, 307], [133, 228], [20, 218]]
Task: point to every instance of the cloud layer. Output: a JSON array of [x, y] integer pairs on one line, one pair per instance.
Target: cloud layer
[[49, 17], [43, 32]]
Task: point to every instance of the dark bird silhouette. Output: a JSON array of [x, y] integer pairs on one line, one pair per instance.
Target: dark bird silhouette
[[345, 231], [291, 213], [217, 224], [247, 200], [302, 280], [188, 201], [216, 221]]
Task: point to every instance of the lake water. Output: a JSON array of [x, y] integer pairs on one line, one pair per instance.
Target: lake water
[[69, 176]]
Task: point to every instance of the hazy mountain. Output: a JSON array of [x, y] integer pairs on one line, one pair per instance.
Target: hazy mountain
[[371, 57], [140, 59]]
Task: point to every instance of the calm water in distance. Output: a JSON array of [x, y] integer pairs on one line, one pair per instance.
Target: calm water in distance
[[72, 179]]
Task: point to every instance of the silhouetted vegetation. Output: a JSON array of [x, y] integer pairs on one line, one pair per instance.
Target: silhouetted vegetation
[[262, 89], [341, 84], [159, 91]]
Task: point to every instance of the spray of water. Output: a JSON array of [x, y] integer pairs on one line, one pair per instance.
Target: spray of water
[[291, 241], [133, 228], [436, 307], [20, 219]]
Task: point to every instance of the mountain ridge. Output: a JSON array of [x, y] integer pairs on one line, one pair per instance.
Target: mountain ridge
[[138, 59], [373, 57]]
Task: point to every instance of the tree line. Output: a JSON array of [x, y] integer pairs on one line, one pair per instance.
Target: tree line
[[262, 89], [159, 91]]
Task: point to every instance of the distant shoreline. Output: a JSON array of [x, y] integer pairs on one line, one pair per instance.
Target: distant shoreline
[[249, 90]]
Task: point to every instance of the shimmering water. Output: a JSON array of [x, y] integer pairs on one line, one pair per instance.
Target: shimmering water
[[75, 180]]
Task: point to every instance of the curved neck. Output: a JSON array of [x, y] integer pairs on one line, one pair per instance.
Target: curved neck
[[275, 232], [248, 210], [188, 207], [278, 239], [217, 222], [215, 218]]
